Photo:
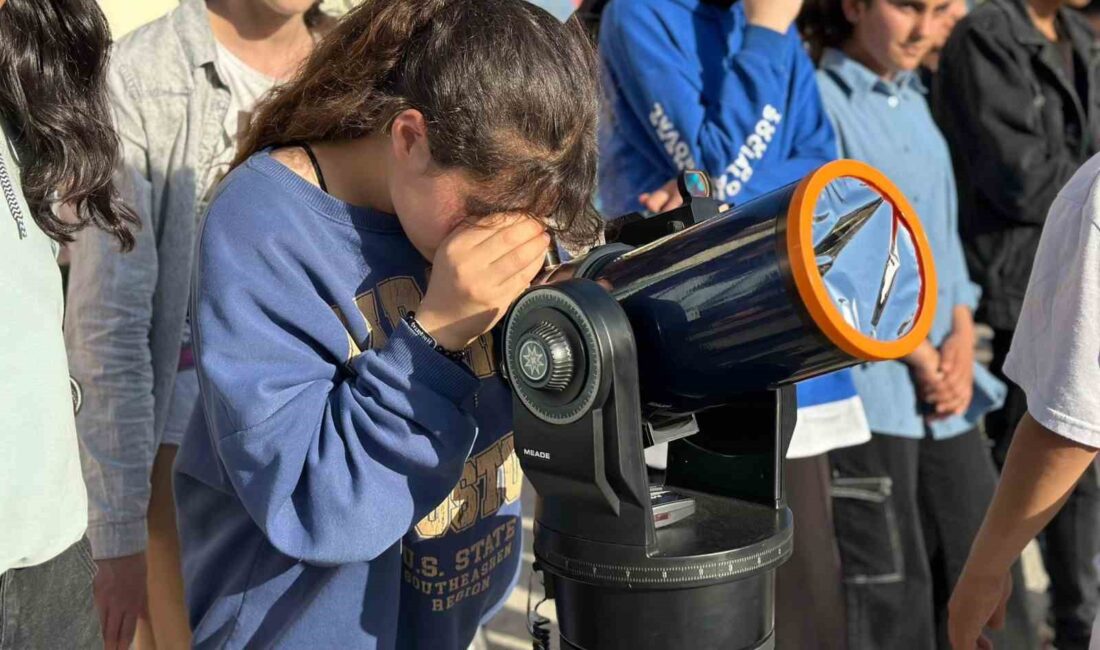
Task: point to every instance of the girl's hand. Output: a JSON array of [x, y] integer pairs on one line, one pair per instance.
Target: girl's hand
[[924, 364], [665, 198], [776, 15], [957, 364], [934, 387], [119, 592], [477, 273], [977, 602]]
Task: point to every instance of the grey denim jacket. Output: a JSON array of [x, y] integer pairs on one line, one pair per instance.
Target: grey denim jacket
[[126, 312]]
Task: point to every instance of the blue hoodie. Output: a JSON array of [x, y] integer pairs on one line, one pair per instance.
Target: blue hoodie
[[693, 85], [344, 485]]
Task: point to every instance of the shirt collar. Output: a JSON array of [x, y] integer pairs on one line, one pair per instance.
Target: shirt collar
[[1022, 27], [195, 33], [857, 78]]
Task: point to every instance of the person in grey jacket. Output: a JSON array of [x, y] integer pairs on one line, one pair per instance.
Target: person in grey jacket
[[1016, 97], [181, 88]]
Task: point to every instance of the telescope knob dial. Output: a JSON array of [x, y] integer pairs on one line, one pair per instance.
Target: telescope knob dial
[[545, 358]]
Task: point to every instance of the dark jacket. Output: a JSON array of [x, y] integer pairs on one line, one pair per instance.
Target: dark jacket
[[1018, 129]]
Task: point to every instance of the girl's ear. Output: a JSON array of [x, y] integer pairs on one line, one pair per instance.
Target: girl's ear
[[409, 141], [852, 9]]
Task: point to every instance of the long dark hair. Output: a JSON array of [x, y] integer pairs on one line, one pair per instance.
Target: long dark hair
[[509, 94], [53, 60], [823, 24]]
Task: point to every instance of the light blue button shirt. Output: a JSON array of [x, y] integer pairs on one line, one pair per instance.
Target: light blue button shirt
[[561, 9], [888, 125]]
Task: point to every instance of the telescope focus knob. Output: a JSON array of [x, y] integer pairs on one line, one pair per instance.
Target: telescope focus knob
[[545, 358]]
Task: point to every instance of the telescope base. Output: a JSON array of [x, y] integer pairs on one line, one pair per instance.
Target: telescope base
[[735, 615], [769, 644], [709, 582]]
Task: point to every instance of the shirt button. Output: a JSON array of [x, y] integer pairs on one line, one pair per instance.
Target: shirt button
[[892, 101]]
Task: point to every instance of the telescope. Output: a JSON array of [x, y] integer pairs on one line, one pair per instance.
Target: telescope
[[692, 328]]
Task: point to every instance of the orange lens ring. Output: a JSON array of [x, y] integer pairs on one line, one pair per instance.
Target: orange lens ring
[[811, 287]]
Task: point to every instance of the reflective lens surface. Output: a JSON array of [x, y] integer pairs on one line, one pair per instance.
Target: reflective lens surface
[[867, 259]]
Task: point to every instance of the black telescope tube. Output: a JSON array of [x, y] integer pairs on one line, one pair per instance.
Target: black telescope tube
[[716, 310]]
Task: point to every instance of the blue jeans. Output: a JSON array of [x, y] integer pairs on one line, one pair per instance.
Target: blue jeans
[[50, 605]]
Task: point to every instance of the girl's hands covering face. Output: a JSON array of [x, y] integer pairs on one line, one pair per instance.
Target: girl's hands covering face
[[478, 271]]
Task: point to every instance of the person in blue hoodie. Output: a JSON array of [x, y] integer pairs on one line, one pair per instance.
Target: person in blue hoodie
[[727, 88], [720, 86], [351, 480]]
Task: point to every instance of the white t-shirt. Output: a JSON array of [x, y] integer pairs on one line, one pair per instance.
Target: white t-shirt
[[246, 86], [824, 427], [43, 504], [1055, 354]]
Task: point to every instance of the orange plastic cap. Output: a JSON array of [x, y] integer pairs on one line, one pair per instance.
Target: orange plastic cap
[[811, 287]]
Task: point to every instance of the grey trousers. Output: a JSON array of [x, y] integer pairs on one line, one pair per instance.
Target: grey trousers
[[50, 605]]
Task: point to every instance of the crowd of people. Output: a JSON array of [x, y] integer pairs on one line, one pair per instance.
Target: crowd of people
[[274, 417]]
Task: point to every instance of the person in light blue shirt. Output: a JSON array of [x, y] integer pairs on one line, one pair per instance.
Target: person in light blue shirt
[[888, 125], [909, 503]]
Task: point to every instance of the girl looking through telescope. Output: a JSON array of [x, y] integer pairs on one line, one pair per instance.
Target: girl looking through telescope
[[351, 479]]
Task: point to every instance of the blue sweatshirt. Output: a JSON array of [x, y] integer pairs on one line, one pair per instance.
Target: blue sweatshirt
[[692, 85], [344, 485]]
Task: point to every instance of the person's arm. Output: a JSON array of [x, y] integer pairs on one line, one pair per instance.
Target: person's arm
[[989, 112], [814, 142], [334, 467], [336, 459], [1040, 473], [1053, 359], [724, 128], [108, 318], [108, 321]]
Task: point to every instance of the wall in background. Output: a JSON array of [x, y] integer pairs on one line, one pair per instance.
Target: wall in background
[[126, 15]]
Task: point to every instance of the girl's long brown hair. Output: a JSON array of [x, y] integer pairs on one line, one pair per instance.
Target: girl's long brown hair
[[53, 94], [508, 92], [823, 24]]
